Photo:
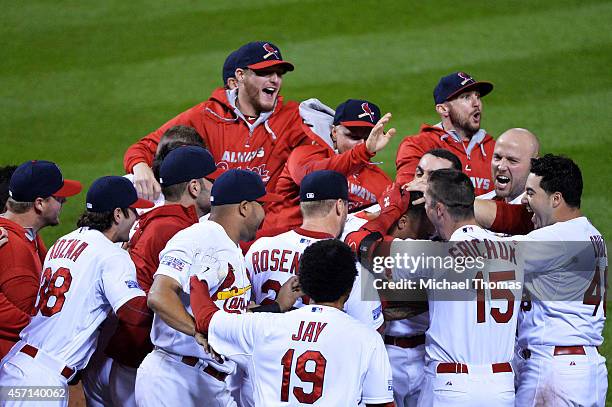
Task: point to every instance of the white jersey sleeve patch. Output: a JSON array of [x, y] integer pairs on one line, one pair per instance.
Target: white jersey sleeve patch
[[119, 280]]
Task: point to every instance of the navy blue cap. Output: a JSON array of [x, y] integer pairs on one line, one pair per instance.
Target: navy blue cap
[[260, 55], [40, 179], [456, 83], [323, 184], [186, 163], [229, 67], [235, 186], [110, 192], [357, 113]]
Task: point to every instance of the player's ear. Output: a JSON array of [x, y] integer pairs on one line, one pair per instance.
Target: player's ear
[[243, 208], [117, 215], [193, 187], [39, 204], [442, 109], [402, 222], [239, 74], [556, 199]]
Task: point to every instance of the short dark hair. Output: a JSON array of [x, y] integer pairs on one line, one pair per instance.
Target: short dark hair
[[447, 155], [559, 174], [175, 192], [327, 270], [174, 137], [100, 221], [6, 173], [453, 189]]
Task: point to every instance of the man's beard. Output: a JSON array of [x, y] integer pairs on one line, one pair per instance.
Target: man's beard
[[463, 124]]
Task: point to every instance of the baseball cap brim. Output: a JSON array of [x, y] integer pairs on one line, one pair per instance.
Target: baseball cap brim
[[270, 197], [70, 188], [141, 204], [357, 123], [483, 87], [266, 64], [214, 175]]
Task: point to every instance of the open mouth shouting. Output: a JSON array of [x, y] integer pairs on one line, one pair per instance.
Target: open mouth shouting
[[502, 182]]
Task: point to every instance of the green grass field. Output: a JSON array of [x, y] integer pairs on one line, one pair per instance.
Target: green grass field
[[82, 80]]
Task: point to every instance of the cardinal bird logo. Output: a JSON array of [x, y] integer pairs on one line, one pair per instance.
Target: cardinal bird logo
[[367, 111], [466, 78], [270, 51]]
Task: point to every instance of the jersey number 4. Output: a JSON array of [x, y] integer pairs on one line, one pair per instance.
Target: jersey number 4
[[53, 285], [593, 294], [315, 375]]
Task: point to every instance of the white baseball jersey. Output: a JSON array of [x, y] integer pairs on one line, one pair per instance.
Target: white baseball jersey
[[567, 260], [202, 247], [492, 194], [85, 276], [465, 318], [271, 261], [316, 355]]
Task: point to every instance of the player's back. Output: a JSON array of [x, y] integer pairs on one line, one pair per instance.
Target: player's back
[[85, 276], [565, 273], [472, 323], [271, 261], [316, 355]]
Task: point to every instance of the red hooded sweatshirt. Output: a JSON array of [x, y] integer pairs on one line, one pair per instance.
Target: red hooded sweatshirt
[[366, 181], [262, 145], [21, 262], [475, 155]]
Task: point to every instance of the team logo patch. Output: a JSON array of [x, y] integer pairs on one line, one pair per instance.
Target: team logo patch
[[270, 51], [173, 262], [376, 312], [131, 284], [389, 385], [367, 111], [466, 78]]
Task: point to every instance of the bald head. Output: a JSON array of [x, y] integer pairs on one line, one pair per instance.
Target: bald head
[[512, 156]]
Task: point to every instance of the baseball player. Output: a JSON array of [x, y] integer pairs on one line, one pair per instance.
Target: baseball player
[[510, 164], [458, 103], [249, 127], [473, 371], [405, 338], [559, 334], [316, 355], [229, 71], [184, 175], [179, 371], [85, 277], [271, 261], [37, 192], [357, 131]]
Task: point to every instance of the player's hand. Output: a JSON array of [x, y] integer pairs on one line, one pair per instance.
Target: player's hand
[[289, 293], [416, 185], [203, 341], [145, 182], [208, 268], [3, 236], [394, 197], [378, 139]]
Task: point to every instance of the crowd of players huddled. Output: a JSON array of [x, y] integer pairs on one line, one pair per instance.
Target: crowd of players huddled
[[235, 265]]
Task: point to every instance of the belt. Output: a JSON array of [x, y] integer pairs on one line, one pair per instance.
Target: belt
[[569, 350], [192, 361], [31, 351], [461, 368], [559, 351], [405, 342]]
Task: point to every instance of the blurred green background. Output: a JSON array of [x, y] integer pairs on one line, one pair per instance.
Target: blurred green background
[[82, 80]]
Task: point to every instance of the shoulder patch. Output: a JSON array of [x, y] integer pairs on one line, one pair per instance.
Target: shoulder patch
[[173, 262]]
